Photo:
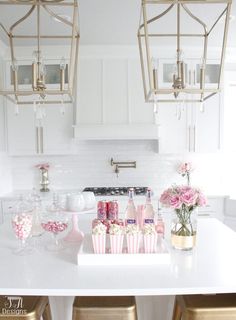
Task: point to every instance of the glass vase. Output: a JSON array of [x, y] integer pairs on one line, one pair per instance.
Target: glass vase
[[184, 229]]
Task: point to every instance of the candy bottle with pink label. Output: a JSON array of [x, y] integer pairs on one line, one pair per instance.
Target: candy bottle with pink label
[[148, 215], [160, 225], [131, 213]]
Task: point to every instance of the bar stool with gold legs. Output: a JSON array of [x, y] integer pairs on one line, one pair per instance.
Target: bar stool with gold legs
[[104, 308], [205, 307], [24, 308]]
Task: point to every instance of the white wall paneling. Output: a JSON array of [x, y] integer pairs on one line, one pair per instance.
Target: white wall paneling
[[115, 108], [115, 91], [139, 111], [90, 86]]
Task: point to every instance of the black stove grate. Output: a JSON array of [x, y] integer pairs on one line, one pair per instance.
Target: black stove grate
[[118, 191]]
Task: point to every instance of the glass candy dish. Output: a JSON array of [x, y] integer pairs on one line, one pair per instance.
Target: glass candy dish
[[22, 224], [55, 223]]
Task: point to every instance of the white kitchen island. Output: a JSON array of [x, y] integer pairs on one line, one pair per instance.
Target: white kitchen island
[[209, 268]]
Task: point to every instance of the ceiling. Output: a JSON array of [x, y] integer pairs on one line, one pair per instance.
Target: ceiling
[[104, 22]]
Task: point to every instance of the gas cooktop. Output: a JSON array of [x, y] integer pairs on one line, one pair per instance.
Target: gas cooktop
[[118, 191]]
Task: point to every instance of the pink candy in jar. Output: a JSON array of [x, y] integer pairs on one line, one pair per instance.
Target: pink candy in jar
[[54, 226], [22, 224]]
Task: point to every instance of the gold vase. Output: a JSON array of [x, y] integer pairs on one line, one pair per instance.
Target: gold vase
[[184, 230]]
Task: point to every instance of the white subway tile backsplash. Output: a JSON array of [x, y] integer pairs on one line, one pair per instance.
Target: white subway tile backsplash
[[90, 166]]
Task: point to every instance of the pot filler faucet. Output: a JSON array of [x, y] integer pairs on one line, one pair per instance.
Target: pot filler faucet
[[122, 164]]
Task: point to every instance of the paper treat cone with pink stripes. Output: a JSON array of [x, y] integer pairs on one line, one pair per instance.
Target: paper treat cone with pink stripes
[[99, 243], [116, 242], [133, 242], [150, 241]]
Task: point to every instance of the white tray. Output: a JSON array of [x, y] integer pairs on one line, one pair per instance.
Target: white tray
[[86, 255]]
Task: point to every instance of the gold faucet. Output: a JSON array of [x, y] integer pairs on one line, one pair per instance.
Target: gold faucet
[[122, 164]]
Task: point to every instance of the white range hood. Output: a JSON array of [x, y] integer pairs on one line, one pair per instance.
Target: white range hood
[[116, 132]]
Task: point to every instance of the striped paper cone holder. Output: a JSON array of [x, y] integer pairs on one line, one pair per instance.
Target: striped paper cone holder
[[133, 243], [116, 241], [150, 243], [99, 243]]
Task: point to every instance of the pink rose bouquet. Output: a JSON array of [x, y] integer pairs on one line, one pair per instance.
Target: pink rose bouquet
[[183, 199]]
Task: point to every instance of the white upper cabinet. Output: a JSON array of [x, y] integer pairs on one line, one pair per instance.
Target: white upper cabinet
[[21, 131], [183, 127], [58, 130], [206, 126], [173, 136], [192, 72], [110, 105], [24, 137]]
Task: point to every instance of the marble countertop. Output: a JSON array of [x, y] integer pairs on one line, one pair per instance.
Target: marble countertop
[[209, 268]]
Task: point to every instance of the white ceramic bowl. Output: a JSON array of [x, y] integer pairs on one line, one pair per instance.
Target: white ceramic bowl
[[75, 202], [89, 199]]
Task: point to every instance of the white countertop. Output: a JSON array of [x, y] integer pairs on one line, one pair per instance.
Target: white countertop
[[210, 268]]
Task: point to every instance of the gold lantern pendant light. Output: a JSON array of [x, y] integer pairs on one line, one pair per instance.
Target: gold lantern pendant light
[[34, 13], [150, 35]]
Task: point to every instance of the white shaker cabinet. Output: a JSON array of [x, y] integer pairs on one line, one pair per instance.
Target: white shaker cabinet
[[184, 127], [173, 132], [58, 130], [167, 69], [25, 138], [206, 126], [192, 130], [21, 130], [110, 101]]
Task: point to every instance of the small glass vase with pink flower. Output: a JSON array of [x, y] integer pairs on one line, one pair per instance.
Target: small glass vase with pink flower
[[184, 200]]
